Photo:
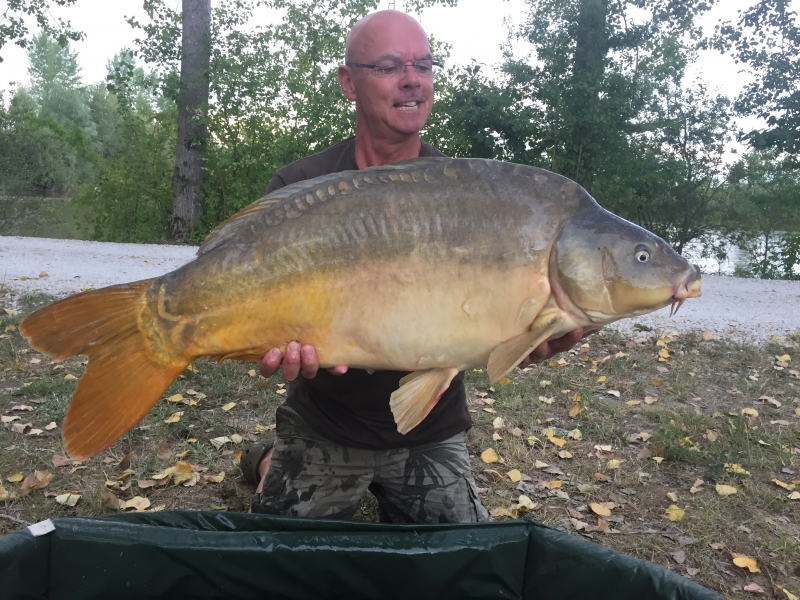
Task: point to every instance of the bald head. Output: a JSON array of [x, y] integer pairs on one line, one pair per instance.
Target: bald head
[[366, 36]]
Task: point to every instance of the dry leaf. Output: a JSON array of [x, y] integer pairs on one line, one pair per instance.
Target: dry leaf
[[164, 450], [68, 499], [489, 456], [745, 562], [496, 437], [145, 483], [657, 382], [614, 393], [575, 434], [754, 588], [557, 441], [794, 496], [228, 406], [674, 513], [736, 469], [789, 595], [658, 459], [600, 509], [218, 442], [174, 417], [252, 372], [514, 475], [504, 381], [516, 431], [51, 425], [175, 398], [725, 490], [672, 496], [37, 481], [710, 435], [109, 500], [540, 465], [601, 379], [565, 454], [650, 399], [497, 423], [575, 411], [137, 502], [70, 377], [633, 402], [770, 400], [214, 478], [15, 478], [600, 477], [787, 486], [553, 484], [60, 461], [749, 412], [613, 464], [708, 336]]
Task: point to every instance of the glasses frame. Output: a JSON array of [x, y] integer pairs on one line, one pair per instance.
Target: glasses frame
[[433, 75]]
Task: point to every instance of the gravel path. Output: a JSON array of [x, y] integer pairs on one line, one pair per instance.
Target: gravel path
[[748, 309]]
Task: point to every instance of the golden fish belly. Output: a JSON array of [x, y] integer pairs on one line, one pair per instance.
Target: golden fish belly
[[405, 315]]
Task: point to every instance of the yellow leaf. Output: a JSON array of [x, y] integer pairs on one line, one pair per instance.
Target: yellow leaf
[[70, 377], [645, 436], [252, 372], [613, 464], [68, 499], [575, 434], [750, 412], [633, 402], [711, 436], [548, 431], [532, 439], [736, 469], [575, 411], [137, 502], [15, 478], [540, 465], [175, 398], [789, 595], [565, 454], [650, 399], [787, 486], [614, 393], [794, 496], [553, 484], [497, 423], [218, 442], [4, 494], [51, 425], [708, 336], [797, 411], [228, 406], [489, 456], [725, 490], [657, 382], [674, 513], [663, 353], [504, 381], [545, 383], [557, 441], [601, 379], [784, 358], [183, 472], [600, 509], [496, 437], [514, 475], [174, 417], [672, 496], [745, 562], [214, 478]]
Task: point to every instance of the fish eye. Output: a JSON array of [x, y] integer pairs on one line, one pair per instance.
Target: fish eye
[[642, 254]]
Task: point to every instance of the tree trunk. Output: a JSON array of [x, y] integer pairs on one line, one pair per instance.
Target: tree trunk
[[188, 205]]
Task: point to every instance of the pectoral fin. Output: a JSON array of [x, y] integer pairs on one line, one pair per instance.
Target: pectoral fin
[[509, 354], [417, 395]]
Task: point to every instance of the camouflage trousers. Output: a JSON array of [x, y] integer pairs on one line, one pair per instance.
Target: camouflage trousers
[[310, 476]]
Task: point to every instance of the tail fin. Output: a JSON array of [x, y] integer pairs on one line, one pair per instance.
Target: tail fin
[[124, 378]]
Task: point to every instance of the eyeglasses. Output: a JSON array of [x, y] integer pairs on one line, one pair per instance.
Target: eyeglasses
[[397, 68]]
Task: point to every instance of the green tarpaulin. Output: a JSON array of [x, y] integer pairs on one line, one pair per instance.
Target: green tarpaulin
[[230, 556]]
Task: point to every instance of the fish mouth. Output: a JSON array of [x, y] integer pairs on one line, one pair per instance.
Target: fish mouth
[[690, 288]]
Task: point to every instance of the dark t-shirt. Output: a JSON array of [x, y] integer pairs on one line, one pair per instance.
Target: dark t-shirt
[[353, 409]]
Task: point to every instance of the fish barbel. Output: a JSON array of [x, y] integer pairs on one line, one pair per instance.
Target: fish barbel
[[432, 266]]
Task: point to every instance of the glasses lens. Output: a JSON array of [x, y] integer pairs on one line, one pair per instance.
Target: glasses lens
[[388, 68], [396, 68]]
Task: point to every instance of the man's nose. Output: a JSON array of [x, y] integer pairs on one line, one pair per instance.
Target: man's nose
[[410, 77]]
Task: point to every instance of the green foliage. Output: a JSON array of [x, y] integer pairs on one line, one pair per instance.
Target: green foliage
[[14, 29]]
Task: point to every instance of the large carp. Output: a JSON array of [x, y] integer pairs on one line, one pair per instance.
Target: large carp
[[432, 266]]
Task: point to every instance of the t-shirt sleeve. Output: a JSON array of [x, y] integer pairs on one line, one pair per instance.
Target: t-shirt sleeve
[[276, 183]]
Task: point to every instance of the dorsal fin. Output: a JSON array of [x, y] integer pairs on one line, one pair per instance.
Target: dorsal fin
[[229, 228]]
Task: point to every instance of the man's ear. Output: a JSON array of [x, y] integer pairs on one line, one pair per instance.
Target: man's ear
[[346, 82]]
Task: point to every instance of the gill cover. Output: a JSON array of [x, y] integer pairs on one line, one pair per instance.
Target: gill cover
[[605, 268]]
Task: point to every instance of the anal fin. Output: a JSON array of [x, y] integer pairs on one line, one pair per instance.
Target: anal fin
[[509, 354], [417, 395]]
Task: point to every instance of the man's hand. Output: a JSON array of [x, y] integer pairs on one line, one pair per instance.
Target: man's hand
[[298, 359], [549, 349]]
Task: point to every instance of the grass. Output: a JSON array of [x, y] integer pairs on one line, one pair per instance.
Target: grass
[[695, 424]]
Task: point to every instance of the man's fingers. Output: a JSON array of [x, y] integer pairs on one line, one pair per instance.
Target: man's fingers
[[290, 367], [309, 362], [268, 365], [338, 370]]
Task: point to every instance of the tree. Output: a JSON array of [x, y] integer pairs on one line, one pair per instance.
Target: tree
[[13, 26], [188, 206], [767, 41]]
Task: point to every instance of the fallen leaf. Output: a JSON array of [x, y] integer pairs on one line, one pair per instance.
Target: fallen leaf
[[174, 417], [794, 496], [51, 425], [214, 478], [37, 481], [575, 410], [770, 400], [708, 336], [613, 464], [164, 450], [679, 556], [70, 377], [711, 436], [600, 477], [546, 400], [496, 437], [658, 459], [489, 456], [68, 499], [505, 381], [657, 382], [674, 513], [497, 423], [516, 431], [565, 454], [7, 419], [633, 402], [754, 588], [183, 473], [672, 496], [540, 465], [252, 372], [600, 509], [137, 502], [601, 379], [789, 595], [143, 484], [745, 562], [556, 441], [692, 572], [489, 410], [15, 478], [514, 475], [787, 486], [553, 484], [575, 434], [175, 398], [750, 412], [736, 469], [228, 406], [109, 500], [784, 358], [614, 393], [218, 442], [532, 439], [725, 490], [650, 399]]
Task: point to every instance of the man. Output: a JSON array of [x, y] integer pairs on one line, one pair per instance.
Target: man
[[335, 435]]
